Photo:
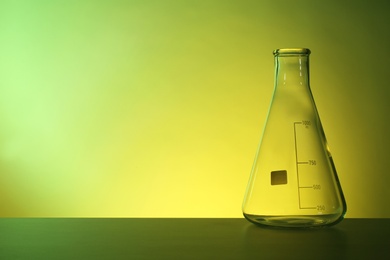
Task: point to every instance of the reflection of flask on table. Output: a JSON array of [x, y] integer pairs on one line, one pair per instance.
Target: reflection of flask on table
[[293, 181]]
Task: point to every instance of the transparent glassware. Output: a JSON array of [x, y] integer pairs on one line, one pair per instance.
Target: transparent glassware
[[293, 182]]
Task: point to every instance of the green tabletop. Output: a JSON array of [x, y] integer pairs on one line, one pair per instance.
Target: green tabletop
[[132, 238]]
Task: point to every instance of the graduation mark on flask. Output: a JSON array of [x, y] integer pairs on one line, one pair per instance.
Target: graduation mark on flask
[[312, 162]]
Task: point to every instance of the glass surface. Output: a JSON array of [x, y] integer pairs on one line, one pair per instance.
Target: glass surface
[[293, 182]]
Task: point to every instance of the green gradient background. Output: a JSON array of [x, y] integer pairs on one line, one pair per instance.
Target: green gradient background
[[155, 108]]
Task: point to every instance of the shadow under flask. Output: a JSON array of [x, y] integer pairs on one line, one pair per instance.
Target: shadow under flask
[[293, 182]]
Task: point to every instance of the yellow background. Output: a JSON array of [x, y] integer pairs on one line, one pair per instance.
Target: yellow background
[[155, 108]]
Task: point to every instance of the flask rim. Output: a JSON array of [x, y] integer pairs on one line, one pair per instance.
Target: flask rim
[[291, 51]]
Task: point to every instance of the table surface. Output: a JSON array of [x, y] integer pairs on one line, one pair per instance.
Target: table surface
[[132, 238]]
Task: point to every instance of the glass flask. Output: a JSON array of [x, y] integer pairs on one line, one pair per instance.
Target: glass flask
[[293, 182]]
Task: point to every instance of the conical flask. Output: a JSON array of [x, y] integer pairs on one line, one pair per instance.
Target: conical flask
[[293, 182]]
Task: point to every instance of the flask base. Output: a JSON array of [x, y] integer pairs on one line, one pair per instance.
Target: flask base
[[306, 221]]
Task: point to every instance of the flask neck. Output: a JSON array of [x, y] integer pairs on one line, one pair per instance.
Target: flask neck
[[291, 70]]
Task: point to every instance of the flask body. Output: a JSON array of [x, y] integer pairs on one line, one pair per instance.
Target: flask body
[[293, 182]]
